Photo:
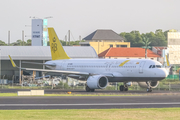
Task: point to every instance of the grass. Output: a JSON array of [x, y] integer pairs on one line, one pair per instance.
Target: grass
[[8, 94], [95, 114], [15, 94]]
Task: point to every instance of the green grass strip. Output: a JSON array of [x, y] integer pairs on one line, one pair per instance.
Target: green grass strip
[[95, 114]]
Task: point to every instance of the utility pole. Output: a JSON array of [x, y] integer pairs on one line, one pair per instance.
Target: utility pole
[[79, 38], [8, 38], [23, 37], [66, 39], [69, 36]]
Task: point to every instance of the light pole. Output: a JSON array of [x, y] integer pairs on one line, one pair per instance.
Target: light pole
[[0, 65], [12, 81], [3, 81]]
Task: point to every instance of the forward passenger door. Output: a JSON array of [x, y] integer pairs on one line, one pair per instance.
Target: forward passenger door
[[141, 66]]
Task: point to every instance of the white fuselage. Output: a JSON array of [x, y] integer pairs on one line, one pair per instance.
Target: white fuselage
[[133, 70]]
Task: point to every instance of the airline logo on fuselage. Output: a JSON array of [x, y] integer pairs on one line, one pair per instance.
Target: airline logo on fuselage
[[54, 45], [124, 62]]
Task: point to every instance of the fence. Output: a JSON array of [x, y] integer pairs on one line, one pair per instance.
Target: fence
[[172, 77], [170, 83], [167, 85]]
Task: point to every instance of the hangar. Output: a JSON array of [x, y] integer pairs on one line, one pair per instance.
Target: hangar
[[39, 54]]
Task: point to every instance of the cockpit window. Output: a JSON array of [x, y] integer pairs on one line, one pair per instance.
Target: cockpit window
[[155, 66], [158, 66]]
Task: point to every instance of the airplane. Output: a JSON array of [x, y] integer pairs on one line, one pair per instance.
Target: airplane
[[98, 72]]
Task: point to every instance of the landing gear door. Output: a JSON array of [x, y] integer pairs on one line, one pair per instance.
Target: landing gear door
[[141, 66]]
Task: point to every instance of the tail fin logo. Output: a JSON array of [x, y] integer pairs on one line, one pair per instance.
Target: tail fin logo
[[54, 40], [54, 45]]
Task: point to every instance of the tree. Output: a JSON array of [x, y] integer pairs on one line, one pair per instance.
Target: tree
[[71, 43], [2, 43], [17, 43], [146, 42], [28, 42], [134, 37], [157, 38]]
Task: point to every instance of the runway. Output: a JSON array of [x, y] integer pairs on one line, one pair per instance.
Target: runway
[[90, 102], [110, 92]]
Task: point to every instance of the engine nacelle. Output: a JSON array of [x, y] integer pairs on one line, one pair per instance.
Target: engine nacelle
[[153, 84], [97, 82]]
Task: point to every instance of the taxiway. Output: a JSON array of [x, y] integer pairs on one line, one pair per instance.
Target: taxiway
[[89, 102]]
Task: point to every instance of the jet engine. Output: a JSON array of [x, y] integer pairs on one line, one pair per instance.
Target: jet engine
[[153, 84], [97, 82]]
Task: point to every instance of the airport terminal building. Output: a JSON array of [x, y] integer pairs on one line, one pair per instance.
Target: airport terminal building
[[39, 54]]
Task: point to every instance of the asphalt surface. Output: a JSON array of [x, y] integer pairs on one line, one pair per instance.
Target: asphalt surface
[[89, 102], [99, 92]]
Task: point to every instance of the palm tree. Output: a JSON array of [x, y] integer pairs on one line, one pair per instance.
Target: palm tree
[[146, 42]]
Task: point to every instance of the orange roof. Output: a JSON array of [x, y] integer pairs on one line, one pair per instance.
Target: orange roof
[[160, 48], [127, 52]]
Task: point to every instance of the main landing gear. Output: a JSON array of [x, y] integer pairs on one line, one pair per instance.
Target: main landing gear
[[89, 90], [123, 88], [149, 89]]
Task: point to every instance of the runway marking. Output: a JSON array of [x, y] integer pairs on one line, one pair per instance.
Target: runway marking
[[94, 104]]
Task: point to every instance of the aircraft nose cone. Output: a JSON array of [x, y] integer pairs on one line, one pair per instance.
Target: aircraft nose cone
[[164, 73]]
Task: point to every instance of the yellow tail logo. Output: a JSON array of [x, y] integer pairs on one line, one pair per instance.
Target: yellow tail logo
[[57, 51]]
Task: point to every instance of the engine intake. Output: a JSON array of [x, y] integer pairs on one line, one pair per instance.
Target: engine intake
[[97, 82]]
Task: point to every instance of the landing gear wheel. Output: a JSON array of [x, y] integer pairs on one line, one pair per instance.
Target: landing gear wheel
[[149, 90], [121, 88], [88, 89], [125, 88]]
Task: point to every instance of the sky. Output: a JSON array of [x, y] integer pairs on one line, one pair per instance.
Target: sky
[[83, 17]]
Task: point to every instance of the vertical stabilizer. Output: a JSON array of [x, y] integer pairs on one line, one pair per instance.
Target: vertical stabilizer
[[57, 51]]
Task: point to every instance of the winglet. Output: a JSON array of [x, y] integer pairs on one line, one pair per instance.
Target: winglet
[[12, 62]]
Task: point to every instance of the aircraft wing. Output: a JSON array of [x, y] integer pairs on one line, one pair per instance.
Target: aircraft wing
[[47, 70], [57, 71], [39, 63]]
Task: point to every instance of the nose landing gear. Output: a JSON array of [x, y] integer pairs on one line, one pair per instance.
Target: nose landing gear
[[149, 89]]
